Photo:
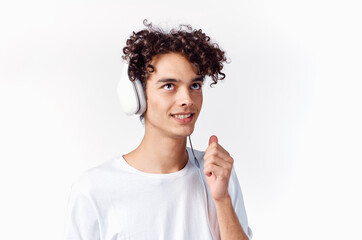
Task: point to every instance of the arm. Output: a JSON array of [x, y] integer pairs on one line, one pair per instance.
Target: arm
[[229, 224], [81, 218], [226, 192]]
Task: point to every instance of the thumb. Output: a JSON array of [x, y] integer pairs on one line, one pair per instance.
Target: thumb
[[212, 139]]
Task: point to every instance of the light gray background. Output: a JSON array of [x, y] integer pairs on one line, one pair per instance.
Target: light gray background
[[289, 110]]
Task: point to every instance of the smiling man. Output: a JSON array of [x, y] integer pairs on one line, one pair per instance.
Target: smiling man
[[174, 103], [157, 191]]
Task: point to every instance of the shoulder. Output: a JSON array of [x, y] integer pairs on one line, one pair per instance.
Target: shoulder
[[93, 177], [199, 154]]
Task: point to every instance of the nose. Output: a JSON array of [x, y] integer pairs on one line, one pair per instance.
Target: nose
[[184, 98]]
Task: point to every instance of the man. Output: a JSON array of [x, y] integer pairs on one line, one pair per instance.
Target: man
[[156, 191]]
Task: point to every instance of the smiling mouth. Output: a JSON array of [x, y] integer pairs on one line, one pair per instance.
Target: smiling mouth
[[182, 116]]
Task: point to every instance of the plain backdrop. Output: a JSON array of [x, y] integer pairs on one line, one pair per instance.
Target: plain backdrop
[[288, 112]]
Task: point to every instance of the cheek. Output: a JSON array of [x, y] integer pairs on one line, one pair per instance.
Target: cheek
[[157, 108], [199, 101]]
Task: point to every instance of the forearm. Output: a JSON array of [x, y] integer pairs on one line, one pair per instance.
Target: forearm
[[230, 227]]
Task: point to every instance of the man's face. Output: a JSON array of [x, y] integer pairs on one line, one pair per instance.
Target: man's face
[[173, 88]]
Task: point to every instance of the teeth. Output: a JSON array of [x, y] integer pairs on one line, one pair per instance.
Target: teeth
[[182, 116]]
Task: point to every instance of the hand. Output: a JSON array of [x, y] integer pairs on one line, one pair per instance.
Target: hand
[[217, 168]]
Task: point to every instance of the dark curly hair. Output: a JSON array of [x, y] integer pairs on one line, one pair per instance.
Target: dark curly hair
[[193, 44]]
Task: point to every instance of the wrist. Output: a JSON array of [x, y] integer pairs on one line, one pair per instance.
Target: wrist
[[224, 200]]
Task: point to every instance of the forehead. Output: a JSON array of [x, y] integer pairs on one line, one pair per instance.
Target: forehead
[[172, 65]]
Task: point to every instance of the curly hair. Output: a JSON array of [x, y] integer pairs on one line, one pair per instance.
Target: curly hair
[[193, 44]]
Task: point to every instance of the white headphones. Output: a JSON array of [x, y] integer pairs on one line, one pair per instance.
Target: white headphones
[[131, 94]]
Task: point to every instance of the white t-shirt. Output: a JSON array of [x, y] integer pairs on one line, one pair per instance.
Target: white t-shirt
[[115, 201]]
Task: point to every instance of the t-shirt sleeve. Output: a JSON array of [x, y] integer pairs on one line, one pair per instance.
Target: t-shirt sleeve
[[238, 203], [81, 221]]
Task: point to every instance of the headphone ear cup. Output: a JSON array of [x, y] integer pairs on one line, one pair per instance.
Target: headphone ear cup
[[141, 97], [130, 93]]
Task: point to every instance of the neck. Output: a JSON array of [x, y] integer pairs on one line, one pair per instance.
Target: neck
[[159, 153]]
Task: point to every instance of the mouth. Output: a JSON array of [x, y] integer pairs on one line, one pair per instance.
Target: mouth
[[183, 118]]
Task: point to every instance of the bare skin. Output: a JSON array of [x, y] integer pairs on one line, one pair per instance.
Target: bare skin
[[163, 147]]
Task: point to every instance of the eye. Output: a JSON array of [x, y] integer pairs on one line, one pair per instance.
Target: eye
[[198, 85], [168, 84]]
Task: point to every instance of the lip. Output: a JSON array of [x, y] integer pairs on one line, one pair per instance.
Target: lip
[[186, 120], [182, 113]]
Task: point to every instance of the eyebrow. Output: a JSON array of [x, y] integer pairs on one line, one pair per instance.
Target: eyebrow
[[166, 80]]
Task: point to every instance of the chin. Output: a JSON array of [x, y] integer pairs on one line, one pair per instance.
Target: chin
[[186, 133], [180, 133]]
